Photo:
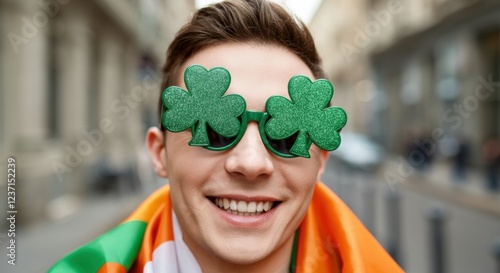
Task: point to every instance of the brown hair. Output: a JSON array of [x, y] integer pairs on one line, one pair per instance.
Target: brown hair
[[240, 21]]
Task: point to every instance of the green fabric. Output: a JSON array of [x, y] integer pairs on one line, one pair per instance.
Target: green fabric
[[120, 245], [295, 249]]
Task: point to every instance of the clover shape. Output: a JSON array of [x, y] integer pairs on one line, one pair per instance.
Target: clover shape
[[203, 103], [306, 114]]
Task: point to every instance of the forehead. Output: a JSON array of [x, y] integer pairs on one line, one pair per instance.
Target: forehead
[[257, 71]]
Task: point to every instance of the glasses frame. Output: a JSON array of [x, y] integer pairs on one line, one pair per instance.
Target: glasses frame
[[247, 116]]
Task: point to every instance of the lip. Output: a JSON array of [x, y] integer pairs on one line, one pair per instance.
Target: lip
[[247, 198], [245, 221]]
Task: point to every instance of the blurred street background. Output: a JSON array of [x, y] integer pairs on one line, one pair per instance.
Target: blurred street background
[[420, 156]]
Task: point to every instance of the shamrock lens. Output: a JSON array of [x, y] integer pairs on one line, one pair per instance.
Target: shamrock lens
[[280, 147], [217, 141]]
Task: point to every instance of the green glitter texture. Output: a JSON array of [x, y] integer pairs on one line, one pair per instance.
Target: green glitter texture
[[203, 104], [306, 114]]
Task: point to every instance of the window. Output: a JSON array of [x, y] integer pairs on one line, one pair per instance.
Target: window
[[2, 87], [489, 43], [53, 93], [93, 101]]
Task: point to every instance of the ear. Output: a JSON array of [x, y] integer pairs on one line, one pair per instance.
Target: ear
[[323, 159], [155, 142]]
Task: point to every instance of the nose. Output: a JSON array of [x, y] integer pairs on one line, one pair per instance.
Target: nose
[[250, 158]]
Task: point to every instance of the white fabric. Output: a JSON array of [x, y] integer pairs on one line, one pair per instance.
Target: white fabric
[[185, 259], [173, 256]]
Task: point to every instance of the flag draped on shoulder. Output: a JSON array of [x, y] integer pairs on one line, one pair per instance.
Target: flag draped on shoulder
[[331, 239], [116, 250]]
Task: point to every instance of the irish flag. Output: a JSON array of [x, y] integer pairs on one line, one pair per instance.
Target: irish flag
[[331, 239]]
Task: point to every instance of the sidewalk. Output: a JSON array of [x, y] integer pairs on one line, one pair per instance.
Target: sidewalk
[[41, 245]]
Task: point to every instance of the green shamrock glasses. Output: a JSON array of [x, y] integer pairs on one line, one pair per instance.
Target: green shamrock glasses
[[219, 121]]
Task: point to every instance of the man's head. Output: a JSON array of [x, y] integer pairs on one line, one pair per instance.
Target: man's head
[[245, 21], [262, 47]]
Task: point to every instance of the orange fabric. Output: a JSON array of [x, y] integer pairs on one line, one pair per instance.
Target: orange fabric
[[154, 235], [112, 268], [149, 207], [165, 234], [148, 242], [330, 227], [332, 239], [317, 251]]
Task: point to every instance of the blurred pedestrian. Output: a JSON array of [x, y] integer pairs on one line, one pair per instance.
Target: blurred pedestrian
[[461, 160], [491, 156], [417, 150]]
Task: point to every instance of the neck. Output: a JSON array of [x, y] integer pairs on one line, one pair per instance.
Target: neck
[[277, 262]]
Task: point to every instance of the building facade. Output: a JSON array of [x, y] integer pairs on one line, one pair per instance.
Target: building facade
[[415, 68], [422, 79], [79, 85]]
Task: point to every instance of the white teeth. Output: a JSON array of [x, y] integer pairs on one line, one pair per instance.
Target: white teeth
[[240, 207], [233, 205], [266, 206], [252, 207], [260, 207]]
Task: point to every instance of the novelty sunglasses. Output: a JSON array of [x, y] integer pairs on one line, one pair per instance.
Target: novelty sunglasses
[[218, 122]]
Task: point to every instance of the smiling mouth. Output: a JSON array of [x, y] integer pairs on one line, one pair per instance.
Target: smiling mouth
[[243, 208]]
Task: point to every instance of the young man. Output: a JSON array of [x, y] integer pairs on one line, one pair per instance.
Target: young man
[[243, 141]]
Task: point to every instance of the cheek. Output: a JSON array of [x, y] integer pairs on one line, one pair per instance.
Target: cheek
[[190, 168], [180, 156], [186, 189], [304, 172], [180, 165], [301, 178]]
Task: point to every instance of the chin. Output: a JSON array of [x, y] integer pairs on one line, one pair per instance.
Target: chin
[[242, 252], [242, 258]]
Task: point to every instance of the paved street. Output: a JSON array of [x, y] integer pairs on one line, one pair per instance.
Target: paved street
[[41, 245]]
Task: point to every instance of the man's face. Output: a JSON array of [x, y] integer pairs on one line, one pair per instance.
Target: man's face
[[276, 190]]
